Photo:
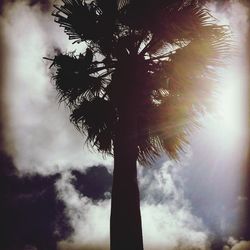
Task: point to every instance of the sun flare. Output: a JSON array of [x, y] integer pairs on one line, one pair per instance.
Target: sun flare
[[230, 99]]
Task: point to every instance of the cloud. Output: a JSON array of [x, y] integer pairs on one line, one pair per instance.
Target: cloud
[[37, 132], [242, 245], [90, 220], [167, 216]]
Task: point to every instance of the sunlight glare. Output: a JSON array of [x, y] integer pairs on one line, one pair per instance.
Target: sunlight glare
[[229, 106]]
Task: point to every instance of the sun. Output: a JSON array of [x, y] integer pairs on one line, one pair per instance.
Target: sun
[[228, 120], [229, 106]]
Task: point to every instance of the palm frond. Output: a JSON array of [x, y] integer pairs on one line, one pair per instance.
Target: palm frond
[[79, 77], [84, 21], [122, 3], [164, 128], [99, 128], [179, 26]]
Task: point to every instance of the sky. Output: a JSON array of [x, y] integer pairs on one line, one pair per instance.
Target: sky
[[56, 191]]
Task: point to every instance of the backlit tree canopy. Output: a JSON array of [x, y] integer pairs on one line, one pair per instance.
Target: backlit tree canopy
[[158, 56]]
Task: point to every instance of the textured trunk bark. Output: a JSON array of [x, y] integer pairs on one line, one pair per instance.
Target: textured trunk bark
[[125, 221]]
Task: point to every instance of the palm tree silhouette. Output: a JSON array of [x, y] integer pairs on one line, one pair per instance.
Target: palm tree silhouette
[[148, 69]]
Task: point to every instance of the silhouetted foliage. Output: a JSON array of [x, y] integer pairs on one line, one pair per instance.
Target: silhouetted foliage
[[161, 55]]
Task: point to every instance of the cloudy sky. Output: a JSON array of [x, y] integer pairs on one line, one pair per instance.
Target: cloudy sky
[[56, 191]]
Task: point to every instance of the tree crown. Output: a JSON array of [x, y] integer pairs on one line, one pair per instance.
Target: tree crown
[[158, 56]]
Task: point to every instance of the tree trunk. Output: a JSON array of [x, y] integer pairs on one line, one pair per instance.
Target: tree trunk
[[125, 221]]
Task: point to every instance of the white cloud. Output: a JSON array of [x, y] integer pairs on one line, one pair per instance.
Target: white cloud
[[242, 245], [89, 220], [167, 218], [168, 228]]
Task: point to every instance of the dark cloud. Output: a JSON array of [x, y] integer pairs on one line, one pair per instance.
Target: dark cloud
[[31, 214], [95, 183]]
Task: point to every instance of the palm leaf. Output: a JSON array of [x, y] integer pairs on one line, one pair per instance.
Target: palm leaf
[[98, 127]]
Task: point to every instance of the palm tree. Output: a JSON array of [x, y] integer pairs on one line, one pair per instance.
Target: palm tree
[[148, 69]]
